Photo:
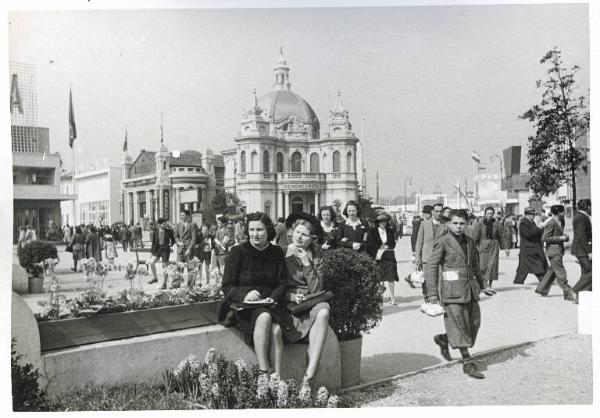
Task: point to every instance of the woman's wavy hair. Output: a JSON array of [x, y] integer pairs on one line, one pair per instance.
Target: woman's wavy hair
[[331, 212], [352, 203], [266, 221]]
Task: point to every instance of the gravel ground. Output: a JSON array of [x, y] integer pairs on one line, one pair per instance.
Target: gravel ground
[[556, 371]]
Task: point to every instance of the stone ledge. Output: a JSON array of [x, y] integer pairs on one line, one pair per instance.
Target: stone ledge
[[144, 359]]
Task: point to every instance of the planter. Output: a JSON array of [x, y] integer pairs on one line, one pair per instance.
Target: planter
[[350, 356], [65, 333], [35, 284]]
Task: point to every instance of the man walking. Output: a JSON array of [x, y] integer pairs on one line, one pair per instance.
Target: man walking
[[429, 231], [582, 244], [531, 251], [487, 238], [223, 239], [554, 237], [162, 240], [185, 236], [458, 290]]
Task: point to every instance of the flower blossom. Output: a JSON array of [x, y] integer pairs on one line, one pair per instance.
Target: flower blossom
[[282, 394], [333, 401], [262, 386], [211, 355]]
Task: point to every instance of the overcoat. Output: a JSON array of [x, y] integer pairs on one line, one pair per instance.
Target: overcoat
[[531, 251], [582, 235], [389, 267], [489, 249], [185, 232]]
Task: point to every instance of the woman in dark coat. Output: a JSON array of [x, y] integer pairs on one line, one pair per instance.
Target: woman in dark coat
[[93, 244], [78, 245], [330, 230], [353, 233], [382, 239], [304, 264], [531, 251], [255, 271]]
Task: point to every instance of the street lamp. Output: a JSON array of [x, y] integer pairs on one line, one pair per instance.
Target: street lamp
[[409, 182]]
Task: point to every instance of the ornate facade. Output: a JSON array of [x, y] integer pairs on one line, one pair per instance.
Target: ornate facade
[[281, 163]]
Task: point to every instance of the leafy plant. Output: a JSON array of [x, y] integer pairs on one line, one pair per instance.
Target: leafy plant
[[26, 392], [219, 383], [34, 253], [354, 279], [561, 119]]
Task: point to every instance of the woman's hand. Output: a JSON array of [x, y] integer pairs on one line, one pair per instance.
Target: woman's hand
[[384, 247], [325, 246], [356, 246], [299, 298], [252, 296]]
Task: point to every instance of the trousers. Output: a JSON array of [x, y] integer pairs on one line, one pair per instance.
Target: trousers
[[556, 271], [585, 281]]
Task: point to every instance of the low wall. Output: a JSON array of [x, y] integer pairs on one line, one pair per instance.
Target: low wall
[[144, 359]]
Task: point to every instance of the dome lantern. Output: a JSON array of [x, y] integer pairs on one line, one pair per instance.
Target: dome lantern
[[282, 73]]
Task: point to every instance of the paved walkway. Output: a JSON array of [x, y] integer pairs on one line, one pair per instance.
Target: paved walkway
[[555, 371]]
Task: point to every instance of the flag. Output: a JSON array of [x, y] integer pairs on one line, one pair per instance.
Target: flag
[[72, 127], [476, 156], [125, 143]]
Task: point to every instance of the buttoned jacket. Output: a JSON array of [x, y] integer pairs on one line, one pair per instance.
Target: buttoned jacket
[[551, 236], [426, 239], [582, 235]]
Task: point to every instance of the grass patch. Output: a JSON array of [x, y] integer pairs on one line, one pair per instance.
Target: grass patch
[[127, 397]]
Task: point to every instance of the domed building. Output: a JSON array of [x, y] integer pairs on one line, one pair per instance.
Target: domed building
[[281, 163]]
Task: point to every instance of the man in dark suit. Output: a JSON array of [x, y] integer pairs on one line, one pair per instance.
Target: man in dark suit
[[162, 241], [554, 236], [185, 236], [457, 289], [531, 251], [582, 244]]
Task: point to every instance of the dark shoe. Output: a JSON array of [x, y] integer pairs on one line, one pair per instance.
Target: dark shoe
[[570, 295], [153, 281], [443, 344], [576, 301], [541, 293], [72, 269], [471, 370]]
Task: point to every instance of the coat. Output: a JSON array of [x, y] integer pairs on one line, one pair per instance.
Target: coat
[[154, 248], [426, 238], [531, 251], [376, 243], [551, 237], [359, 235], [185, 233], [414, 234], [93, 243], [480, 236], [582, 235], [448, 254]]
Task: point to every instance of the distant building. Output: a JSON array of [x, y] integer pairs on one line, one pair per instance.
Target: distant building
[[97, 187], [429, 199], [281, 163], [36, 171], [163, 183]]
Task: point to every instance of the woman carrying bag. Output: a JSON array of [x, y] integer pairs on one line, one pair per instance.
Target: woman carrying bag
[[382, 250], [308, 310]]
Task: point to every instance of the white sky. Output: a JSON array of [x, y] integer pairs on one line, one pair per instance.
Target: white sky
[[434, 83]]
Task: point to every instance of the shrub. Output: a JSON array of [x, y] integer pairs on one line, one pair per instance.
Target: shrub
[[354, 279], [26, 392], [218, 383], [36, 252]]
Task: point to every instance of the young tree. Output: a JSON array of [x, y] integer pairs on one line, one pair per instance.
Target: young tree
[[560, 120]]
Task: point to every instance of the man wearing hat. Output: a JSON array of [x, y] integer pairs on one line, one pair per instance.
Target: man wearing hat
[[531, 251], [554, 236]]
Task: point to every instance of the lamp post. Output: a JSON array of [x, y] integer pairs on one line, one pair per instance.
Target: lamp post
[[409, 182]]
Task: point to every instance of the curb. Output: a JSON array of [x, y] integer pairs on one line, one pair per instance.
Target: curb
[[477, 356]]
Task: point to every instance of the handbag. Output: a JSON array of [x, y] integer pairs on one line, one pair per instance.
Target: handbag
[[313, 300]]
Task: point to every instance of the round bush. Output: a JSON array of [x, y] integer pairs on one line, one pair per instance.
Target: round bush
[[36, 252], [354, 279]]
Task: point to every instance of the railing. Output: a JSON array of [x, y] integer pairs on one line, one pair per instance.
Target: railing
[[261, 176], [303, 176]]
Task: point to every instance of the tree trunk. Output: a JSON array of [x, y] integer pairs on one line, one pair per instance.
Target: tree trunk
[[574, 189]]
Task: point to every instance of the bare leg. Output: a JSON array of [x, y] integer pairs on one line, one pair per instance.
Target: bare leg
[[277, 342], [392, 296], [152, 264], [316, 341], [164, 266], [262, 332]]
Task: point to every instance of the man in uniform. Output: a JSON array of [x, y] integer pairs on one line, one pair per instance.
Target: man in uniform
[[455, 254]]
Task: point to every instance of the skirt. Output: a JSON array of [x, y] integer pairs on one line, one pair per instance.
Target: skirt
[[246, 321], [389, 267], [296, 327]]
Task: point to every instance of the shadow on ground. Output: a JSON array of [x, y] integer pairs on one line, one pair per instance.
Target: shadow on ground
[[391, 364]]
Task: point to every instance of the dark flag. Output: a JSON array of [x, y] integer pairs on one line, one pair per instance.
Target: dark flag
[[72, 127], [125, 143]]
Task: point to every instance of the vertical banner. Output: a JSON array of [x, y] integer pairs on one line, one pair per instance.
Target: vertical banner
[[166, 205]]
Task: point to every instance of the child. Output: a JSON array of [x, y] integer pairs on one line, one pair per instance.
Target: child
[[111, 250]]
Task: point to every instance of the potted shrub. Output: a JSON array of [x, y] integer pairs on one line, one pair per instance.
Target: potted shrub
[[356, 308], [32, 255]]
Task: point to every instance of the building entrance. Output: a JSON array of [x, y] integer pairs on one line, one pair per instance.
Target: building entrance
[[297, 204]]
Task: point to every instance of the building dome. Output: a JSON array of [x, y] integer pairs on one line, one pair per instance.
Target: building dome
[[282, 104]]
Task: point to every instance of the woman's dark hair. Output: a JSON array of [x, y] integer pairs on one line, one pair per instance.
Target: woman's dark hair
[[331, 212], [556, 209], [78, 230], [582, 204], [266, 221], [352, 203]]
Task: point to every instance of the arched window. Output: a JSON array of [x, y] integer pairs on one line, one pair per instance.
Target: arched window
[[253, 162], [296, 162], [279, 163], [349, 162], [324, 166], [243, 162], [266, 161], [314, 162], [336, 162]]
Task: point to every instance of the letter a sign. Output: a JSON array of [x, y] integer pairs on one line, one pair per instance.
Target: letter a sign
[[15, 95]]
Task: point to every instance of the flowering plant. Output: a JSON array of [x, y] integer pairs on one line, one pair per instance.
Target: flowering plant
[[221, 384]]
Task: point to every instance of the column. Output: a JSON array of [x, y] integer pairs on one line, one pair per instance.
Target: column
[[159, 202], [279, 204], [149, 205], [178, 204], [317, 203], [136, 207], [125, 197], [286, 204]]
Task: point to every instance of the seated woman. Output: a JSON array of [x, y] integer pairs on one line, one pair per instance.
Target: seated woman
[[305, 278], [255, 270]]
